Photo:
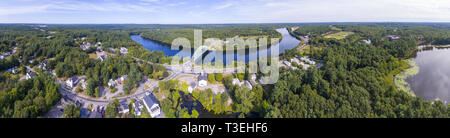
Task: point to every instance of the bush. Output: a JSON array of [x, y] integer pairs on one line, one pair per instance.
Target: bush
[[211, 78], [219, 77]]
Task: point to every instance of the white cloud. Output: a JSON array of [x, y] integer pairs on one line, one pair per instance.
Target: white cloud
[[223, 6]]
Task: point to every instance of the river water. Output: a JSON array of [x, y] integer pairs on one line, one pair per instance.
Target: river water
[[433, 79], [287, 42]]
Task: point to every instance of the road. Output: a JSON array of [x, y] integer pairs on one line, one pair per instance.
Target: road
[[305, 40], [67, 94]]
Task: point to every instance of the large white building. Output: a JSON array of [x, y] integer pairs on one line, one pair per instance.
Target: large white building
[[151, 104]]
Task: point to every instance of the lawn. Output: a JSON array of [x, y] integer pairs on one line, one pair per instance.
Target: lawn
[[92, 55], [339, 35]]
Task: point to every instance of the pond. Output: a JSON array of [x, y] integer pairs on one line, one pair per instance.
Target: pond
[[433, 79], [287, 42]]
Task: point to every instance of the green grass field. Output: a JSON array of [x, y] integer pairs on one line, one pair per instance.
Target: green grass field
[[339, 35]]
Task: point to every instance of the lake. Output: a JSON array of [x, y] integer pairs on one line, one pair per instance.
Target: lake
[[287, 42], [433, 78]]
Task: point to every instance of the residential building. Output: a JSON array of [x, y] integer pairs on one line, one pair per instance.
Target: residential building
[[393, 37], [123, 108], [152, 105], [102, 57], [138, 106], [192, 86], [123, 78], [111, 83], [72, 82], [287, 63], [123, 50], [202, 80], [248, 85], [29, 75], [236, 82]]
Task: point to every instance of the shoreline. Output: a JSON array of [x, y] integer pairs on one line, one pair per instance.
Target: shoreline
[[399, 80], [209, 50]]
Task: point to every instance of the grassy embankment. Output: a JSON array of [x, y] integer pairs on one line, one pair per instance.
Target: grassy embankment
[[397, 77]]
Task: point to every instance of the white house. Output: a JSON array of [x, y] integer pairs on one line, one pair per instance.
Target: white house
[[123, 108], [202, 80], [111, 83], [29, 75], [152, 105], [123, 50], [236, 82], [287, 63], [83, 83], [248, 85], [253, 77], [72, 82], [123, 78]]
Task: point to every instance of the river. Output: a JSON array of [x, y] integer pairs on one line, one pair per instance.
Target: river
[[287, 42], [433, 79]]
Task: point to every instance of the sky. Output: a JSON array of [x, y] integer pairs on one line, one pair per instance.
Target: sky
[[221, 11]]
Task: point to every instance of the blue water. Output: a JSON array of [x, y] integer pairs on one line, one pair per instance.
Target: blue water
[[287, 42]]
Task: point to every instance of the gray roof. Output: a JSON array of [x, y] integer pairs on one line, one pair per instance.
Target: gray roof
[[202, 77], [74, 78], [150, 100], [124, 106]]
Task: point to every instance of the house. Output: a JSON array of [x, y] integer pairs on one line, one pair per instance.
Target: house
[[72, 82], [123, 50], [253, 82], [123, 108], [30, 75], [393, 37], [111, 83], [138, 106], [123, 78], [192, 86], [307, 60], [236, 82], [287, 63], [367, 41], [83, 83], [151, 105], [202, 80], [305, 66], [253, 77], [248, 85], [14, 70], [43, 64], [102, 57], [295, 60]]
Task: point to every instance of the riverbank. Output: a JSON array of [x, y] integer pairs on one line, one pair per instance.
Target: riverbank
[[400, 80]]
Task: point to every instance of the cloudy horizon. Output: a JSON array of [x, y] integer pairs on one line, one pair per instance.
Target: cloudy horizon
[[221, 11]]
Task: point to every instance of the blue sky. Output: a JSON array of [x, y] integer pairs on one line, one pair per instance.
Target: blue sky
[[222, 11]]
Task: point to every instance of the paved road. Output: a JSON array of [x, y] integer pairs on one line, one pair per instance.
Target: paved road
[[140, 92]]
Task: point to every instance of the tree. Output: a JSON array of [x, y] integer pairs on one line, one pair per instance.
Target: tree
[[165, 74], [211, 78], [219, 77], [111, 110], [71, 111], [97, 92]]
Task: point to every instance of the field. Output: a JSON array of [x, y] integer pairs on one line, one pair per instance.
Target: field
[[339, 35]]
